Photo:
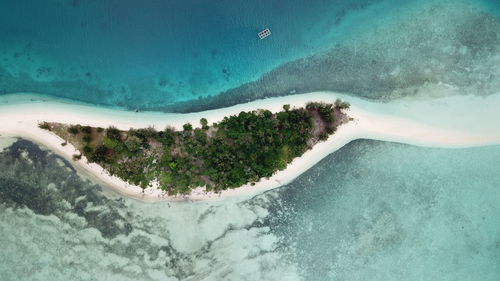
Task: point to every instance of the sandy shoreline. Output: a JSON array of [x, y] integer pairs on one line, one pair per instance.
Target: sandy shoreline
[[444, 122]]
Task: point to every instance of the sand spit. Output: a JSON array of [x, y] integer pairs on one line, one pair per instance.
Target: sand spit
[[457, 121]]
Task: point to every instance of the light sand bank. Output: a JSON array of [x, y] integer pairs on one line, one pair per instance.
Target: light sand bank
[[444, 122]]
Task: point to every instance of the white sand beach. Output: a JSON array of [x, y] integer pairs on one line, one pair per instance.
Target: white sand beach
[[452, 122]]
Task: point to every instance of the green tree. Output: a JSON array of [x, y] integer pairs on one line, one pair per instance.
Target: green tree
[[204, 123], [187, 127]]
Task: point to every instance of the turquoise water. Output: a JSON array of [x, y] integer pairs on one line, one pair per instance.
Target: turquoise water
[[387, 211], [370, 211], [130, 53], [153, 54]]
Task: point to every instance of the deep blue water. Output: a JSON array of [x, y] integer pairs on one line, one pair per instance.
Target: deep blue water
[[160, 51], [150, 54]]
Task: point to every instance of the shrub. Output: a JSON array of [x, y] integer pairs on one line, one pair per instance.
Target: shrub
[[170, 129], [110, 143], [73, 129], [326, 112], [87, 138], [323, 136], [44, 125], [100, 154], [86, 129], [99, 129], [187, 127], [77, 157], [200, 136], [312, 105], [133, 143], [167, 137], [342, 104], [113, 133], [87, 149], [147, 133]]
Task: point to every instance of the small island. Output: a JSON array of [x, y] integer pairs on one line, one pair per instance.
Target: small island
[[238, 150]]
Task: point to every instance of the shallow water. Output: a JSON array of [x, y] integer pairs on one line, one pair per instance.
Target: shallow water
[[372, 210], [386, 211]]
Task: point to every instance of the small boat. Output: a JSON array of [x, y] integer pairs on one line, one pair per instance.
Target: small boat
[[264, 33]]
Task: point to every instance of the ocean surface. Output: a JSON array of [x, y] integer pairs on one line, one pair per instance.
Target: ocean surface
[[370, 211], [154, 54]]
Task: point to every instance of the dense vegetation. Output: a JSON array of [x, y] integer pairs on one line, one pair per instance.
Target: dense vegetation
[[240, 149]]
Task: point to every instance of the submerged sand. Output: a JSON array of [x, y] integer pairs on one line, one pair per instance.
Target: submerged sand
[[456, 121]]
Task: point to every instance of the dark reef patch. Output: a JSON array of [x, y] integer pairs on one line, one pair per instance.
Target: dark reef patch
[[47, 184], [387, 64], [43, 186], [78, 90]]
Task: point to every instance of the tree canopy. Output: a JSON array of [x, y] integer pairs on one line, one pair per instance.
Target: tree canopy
[[239, 149]]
